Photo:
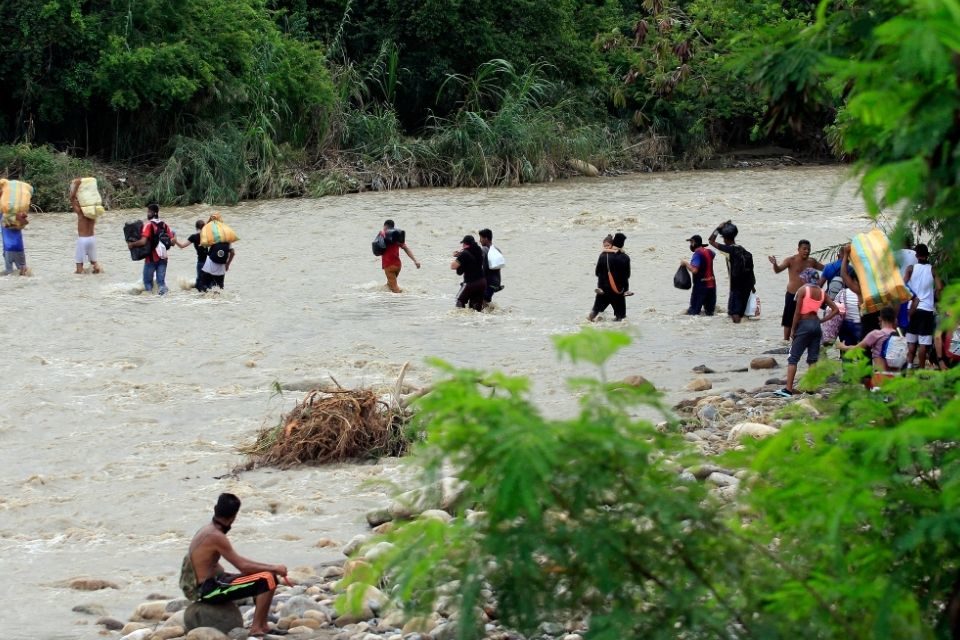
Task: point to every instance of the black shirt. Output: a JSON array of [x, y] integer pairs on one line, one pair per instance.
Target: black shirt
[[201, 251], [619, 267], [471, 264]]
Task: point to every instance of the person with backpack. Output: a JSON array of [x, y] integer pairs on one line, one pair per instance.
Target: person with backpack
[[887, 348], [468, 262], [214, 271], [387, 245], [157, 235], [703, 294], [739, 266], [613, 279]]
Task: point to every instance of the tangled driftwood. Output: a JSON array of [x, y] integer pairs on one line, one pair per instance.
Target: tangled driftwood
[[332, 425]]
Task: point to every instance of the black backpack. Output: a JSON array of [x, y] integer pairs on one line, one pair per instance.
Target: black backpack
[[161, 235], [133, 231], [379, 245], [741, 267], [219, 252], [396, 236]]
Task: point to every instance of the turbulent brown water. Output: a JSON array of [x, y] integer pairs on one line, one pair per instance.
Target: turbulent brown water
[[120, 410]]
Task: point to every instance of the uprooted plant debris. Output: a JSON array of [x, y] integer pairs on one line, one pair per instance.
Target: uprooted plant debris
[[332, 425]]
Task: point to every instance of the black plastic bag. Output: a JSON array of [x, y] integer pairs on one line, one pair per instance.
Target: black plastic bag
[[681, 280]]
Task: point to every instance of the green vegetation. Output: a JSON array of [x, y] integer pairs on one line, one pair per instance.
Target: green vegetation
[[224, 100]]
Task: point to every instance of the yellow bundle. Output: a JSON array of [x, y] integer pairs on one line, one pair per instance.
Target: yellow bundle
[[216, 231], [881, 284], [91, 204], [14, 199]]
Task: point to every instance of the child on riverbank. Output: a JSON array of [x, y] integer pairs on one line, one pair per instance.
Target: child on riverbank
[[13, 251]]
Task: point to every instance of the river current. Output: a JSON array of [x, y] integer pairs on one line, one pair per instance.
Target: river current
[[121, 412]]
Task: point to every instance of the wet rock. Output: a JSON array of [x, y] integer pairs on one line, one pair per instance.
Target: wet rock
[[707, 415], [298, 606], [91, 584], [149, 611], [143, 633], [355, 543], [436, 514], [779, 351], [751, 430], [207, 633], [722, 479], [699, 384], [379, 550], [583, 167], [167, 633], [160, 596], [325, 543], [376, 517], [702, 368], [110, 624], [637, 381], [384, 529], [223, 617], [776, 381], [90, 609], [764, 363]]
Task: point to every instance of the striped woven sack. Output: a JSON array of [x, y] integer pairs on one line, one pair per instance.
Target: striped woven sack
[[881, 284], [216, 231], [14, 198]]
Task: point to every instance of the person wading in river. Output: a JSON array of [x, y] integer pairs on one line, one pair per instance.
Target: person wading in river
[[86, 240], [796, 264], [613, 279], [211, 584], [491, 272], [468, 262], [703, 295], [739, 267], [390, 260]]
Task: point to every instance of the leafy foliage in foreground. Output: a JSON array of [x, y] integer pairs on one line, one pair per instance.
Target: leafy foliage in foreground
[[846, 528]]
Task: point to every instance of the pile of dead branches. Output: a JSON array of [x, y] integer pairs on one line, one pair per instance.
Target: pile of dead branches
[[332, 425]]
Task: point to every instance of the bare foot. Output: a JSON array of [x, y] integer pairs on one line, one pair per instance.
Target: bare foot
[[97, 269]]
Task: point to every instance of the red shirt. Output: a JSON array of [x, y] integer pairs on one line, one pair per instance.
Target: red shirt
[[391, 257], [148, 230]]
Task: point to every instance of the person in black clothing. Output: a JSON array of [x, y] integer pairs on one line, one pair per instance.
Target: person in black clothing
[[194, 240], [741, 284], [613, 278], [468, 262], [492, 274]]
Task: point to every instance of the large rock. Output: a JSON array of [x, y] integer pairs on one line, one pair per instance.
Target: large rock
[[410, 504], [207, 633], [355, 543], [764, 363], [376, 517], [167, 633], [297, 606], [751, 430], [110, 624], [583, 168], [699, 384], [91, 584], [223, 617]]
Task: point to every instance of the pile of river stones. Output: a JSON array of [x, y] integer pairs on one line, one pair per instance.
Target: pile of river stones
[[712, 423]]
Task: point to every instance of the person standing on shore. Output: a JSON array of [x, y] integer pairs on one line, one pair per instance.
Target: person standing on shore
[[159, 237], [211, 584], [703, 294], [468, 262], [492, 264], [805, 328], [390, 260], [795, 265], [926, 285], [613, 279], [86, 239], [740, 268]]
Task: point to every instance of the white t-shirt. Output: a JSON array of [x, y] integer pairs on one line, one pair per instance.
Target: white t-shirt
[[922, 285], [213, 268], [851, 303]]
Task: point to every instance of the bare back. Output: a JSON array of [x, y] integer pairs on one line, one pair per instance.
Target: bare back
[[795, 266], [205, 552], [85, 225]]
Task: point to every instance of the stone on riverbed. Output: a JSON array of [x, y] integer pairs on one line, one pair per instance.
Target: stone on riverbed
[[110, 624], [90, 609], [355, 543], [91, 584], [223, 617], [376, 517], [207, 633], [168, 633], [764, 363], [699, 384], [298, 606], [152, 611], [751, 429]]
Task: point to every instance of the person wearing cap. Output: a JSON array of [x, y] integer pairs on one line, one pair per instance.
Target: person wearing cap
[[805, 328], [703, 294], [468, 262], [926, 285], [794, 265], [613, 279], [203, 578], [739, 267]]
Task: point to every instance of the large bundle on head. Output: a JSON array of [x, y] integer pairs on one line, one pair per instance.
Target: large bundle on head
[[881, 284], [88, 195], [332, 426], [14, 200], [216, 231]]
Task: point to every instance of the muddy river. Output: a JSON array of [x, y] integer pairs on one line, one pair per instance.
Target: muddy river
[[120, 412]]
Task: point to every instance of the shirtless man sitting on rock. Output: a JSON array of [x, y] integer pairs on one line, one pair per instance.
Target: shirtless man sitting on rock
[[213, 585], [796, 264]]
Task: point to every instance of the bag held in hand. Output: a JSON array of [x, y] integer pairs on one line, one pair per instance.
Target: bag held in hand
[[682, 280], [132, 231]]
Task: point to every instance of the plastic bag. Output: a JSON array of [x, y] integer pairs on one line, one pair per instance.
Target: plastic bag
[[495, 259], [682, 280], [753, 306]]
